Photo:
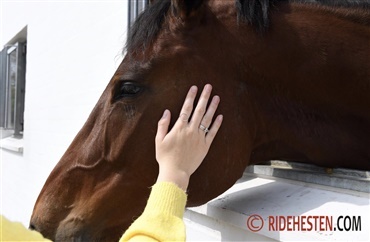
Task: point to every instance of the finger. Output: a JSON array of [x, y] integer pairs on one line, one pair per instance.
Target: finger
[[214, 129], [201, 106], [187, 107], [207, 118], [163, 124]]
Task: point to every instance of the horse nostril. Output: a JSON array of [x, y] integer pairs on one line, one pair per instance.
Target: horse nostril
[[46, 232], [32, 227]]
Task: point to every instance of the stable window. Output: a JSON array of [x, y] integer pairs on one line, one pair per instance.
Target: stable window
[[135, 7], [12, 89]]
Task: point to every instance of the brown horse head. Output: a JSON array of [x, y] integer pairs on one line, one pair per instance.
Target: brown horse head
[[102, 182], [284, 96]]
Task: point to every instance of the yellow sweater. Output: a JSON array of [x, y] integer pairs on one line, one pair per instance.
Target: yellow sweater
[[160, 221]]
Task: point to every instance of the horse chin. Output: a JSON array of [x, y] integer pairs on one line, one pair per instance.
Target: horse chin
[[87, 234], [75, 228]]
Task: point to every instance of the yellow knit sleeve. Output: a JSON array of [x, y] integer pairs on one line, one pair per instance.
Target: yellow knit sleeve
[[14, 231], [162, 216]]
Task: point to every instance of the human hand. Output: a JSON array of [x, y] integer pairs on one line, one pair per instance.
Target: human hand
[[181, 151]]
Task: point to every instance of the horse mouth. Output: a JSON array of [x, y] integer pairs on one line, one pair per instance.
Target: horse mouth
[[46, 232]]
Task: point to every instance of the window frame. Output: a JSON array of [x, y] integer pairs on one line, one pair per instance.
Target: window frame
[[20, 79]]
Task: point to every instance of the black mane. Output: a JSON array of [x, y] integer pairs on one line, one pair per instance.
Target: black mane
[[254, 12]]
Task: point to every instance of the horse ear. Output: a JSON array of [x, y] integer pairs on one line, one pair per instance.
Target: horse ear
[[183, 8]]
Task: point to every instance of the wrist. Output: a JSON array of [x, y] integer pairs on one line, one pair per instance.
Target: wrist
[[178, 177]]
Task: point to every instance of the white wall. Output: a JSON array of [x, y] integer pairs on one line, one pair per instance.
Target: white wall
[[73, 51]]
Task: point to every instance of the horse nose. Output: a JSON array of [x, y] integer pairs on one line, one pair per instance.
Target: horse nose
[[32, 227], [46, 232]]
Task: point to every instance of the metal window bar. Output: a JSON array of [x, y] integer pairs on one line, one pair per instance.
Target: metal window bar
[[3, 65], [20, 89], [135, 7], [11, 86]]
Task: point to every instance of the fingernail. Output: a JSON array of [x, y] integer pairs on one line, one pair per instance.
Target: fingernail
[[216, 99], [193, 88], [165, 113], [220, 117]]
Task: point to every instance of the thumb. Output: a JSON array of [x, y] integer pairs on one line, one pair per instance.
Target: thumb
[[163, 124]]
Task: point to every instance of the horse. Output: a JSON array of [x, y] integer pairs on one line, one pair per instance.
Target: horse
[[294, 81]]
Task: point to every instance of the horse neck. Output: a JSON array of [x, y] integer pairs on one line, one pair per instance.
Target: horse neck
[[288, 79]]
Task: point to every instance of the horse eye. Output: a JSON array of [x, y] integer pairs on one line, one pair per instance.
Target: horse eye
[[127, 89]]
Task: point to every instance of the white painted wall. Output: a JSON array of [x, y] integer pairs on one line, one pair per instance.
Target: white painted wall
[[74, 48]]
